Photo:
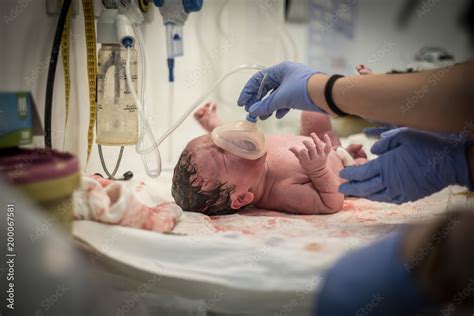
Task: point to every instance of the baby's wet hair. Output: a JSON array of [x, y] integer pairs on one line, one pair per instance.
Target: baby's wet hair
[[188, 194]]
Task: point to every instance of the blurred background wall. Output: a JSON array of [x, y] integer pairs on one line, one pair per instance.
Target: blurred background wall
[[332, 36]]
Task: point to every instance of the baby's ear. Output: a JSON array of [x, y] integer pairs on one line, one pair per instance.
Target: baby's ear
[[239, 200]]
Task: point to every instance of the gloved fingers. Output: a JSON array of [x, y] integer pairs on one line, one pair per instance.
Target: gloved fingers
[[281, 113], [257, 97], [400, 199], [277, 72], [363, 172], [383, 196], [385, 144], [250, 89], [362, 188], [251, 92], [375, 132], [393, 131], [264, 107], [263, 118]]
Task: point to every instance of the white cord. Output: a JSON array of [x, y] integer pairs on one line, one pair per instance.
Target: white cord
[[202, 98]]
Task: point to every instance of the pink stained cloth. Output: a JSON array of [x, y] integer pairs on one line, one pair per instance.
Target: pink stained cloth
[[124, 204], [360, 221]]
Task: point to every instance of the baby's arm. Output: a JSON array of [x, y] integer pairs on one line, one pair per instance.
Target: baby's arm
[[313, 159]]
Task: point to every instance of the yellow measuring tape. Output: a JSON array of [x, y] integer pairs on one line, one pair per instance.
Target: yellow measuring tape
[[67, 75], [88, 9]]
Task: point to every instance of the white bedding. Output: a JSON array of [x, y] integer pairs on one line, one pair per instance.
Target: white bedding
[[259, 251]]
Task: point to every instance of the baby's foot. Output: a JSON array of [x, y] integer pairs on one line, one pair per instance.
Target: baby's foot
[[356, 151], [319, 123], [362, 70], [207, 116]]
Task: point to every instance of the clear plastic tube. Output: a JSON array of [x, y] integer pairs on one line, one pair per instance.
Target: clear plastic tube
[[202, 98], [145, 127], [143, 74], [146, 130]]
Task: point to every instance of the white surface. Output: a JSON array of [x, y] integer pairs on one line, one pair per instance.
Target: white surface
[[276, 258], [219, 260]]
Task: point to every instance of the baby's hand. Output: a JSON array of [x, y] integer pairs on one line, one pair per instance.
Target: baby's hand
[[313, 158]]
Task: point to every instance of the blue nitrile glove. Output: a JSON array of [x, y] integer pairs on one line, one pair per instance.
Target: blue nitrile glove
[[370, 281], [289, 83], [410, 166], [377, 131]]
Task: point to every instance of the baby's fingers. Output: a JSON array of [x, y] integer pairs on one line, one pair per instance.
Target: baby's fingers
[[311, 148], [304, 155], [319, 144], [213, 107], [199, 113], [295, 152], [301, 154], [327, 142]]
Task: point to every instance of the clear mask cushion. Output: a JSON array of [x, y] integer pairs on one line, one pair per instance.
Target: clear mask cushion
[[243, 139]]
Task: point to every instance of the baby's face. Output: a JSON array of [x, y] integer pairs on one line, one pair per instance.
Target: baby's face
[[214, 164]]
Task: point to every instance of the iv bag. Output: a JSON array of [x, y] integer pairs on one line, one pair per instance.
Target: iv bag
[[117, 114]]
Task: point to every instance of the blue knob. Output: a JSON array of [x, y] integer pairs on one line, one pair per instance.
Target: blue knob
[[158, 3], [251, 118], [192, 5]]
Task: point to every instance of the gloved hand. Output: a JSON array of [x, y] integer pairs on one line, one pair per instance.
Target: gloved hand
[[376, 132], [410, 166], [370, 281], [289, 83]]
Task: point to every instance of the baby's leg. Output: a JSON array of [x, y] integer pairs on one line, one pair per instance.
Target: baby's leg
[[362, 70], [207, 116], [319, 123]]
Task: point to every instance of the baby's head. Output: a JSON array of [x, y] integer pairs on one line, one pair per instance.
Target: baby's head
[[212, 181]]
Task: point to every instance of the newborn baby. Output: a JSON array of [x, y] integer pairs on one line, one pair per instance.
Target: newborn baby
[[298, 174]]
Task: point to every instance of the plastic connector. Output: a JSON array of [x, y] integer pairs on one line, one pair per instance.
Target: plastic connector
[[251, 118], [125, 32], [192, 5], [127, 42]]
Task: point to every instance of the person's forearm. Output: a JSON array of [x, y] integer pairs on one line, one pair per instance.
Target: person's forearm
[[436, 100]]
